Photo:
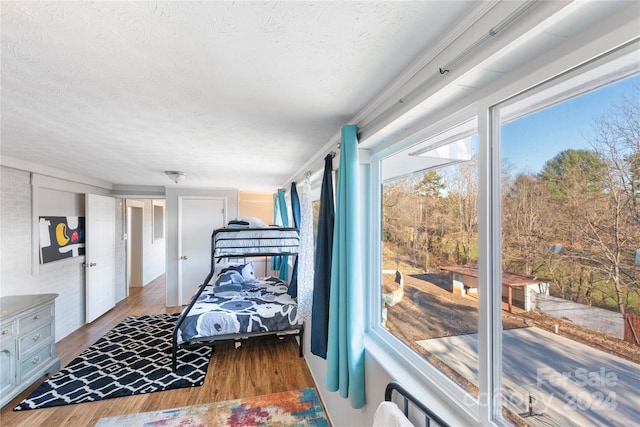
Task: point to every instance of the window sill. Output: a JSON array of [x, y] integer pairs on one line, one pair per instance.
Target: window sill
[[425, 382]]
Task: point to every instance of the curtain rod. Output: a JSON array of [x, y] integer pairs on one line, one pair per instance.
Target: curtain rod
[[394, 108], [315, 163]]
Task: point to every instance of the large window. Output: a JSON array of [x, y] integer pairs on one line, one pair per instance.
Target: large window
[[570, 205], [429, 250], [509, 255]]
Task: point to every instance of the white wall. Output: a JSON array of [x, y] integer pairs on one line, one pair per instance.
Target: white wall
[[18, 276], [121, 252], [153, 249], [20, 271]]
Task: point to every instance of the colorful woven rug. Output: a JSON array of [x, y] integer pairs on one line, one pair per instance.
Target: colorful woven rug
[[290, 408], [132, 358]]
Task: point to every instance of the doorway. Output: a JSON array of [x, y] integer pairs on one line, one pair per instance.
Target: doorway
[[135, 259], [146, 247]]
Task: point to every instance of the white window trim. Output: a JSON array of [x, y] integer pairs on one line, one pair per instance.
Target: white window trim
[[606, 69], [403, 362]]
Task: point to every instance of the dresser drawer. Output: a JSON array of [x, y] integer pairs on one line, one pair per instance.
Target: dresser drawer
[[8, 331], [35, 361], [34, 319], [27, 342], [35, 338], [7, 366]]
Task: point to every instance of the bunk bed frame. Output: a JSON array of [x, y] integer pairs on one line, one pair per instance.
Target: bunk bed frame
[[241, 243], [407, 399]]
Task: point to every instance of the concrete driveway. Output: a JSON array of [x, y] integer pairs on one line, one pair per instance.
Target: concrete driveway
[[571, 384]]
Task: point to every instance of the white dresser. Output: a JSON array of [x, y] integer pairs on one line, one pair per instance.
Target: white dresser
[[27, 342]]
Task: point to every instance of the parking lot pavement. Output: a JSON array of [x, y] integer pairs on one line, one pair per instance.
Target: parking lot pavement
[[570, 384]]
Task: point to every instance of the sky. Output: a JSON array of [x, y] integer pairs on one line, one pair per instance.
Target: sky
[[532, 140]]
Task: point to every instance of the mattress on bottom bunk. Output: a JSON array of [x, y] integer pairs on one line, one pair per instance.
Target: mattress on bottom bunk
[[261, 306]]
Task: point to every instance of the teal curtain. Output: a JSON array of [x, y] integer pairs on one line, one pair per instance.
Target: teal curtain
[[283, 261], [345, 346], [277, 220]]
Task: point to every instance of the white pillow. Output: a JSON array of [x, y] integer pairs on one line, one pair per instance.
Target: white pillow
[[253, 221], [389, 415]]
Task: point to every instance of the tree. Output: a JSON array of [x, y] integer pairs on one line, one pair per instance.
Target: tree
[[574, 181], [462, 201], [396, 217], [525, 223], [573, 171], [430, 185], [613, 226], [428, 190], [596, 195]]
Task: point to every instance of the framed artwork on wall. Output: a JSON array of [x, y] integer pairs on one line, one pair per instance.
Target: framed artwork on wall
[[61, 237]]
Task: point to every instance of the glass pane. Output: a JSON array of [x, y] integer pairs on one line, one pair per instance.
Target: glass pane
[[570, 239], [430, 251]]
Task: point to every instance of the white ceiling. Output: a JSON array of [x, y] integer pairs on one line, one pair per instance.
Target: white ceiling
[[235, 94]]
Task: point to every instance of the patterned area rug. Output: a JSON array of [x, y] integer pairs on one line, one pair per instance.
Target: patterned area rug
[[291, 408], [132, 358]]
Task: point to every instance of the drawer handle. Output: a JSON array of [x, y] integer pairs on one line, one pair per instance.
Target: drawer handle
[[36, 317], [5, 332], [35, 360], [36, 337]]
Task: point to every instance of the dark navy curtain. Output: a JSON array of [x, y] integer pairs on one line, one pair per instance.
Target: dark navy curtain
[[295, 209], [322, 266]]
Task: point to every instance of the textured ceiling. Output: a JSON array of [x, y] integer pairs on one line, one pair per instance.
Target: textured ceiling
[[236, 94]]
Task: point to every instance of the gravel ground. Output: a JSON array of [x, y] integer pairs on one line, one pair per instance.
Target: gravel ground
[[427, 311]]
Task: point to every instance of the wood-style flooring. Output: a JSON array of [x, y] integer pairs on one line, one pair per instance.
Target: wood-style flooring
[[253, 369]]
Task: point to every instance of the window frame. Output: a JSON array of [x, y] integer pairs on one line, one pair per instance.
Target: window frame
[[377, 338], [605, 69], [401, 361]]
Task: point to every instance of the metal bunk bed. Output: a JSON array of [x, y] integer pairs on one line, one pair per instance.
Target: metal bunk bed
[[237, 244]]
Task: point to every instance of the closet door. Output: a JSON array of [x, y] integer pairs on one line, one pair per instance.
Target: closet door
[[100, 259]]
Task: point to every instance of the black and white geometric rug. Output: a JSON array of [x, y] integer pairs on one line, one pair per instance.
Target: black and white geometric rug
[[132, 358]]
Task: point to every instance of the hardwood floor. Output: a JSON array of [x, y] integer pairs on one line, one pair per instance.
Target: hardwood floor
[[255, 368]]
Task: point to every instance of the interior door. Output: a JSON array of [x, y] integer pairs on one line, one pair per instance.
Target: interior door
[[100, 255], [197, 218]]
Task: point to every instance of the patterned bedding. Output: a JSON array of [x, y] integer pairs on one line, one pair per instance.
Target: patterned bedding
[[260, 306]]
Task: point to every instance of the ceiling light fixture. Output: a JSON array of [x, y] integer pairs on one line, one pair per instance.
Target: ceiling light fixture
[[176, 176]]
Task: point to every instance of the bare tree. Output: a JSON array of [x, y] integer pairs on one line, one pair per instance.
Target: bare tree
[[613, 223], [525, 224], [428, 190], [462, 198]]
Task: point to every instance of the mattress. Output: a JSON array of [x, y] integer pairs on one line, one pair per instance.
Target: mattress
[[275, 241]]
